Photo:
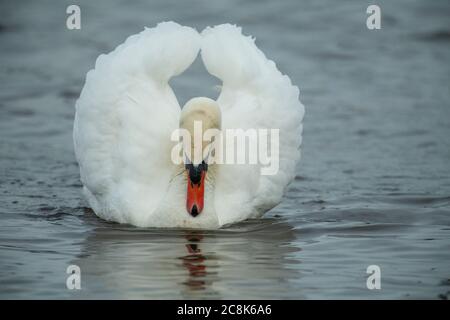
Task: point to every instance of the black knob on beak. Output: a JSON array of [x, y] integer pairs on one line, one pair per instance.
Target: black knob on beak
[[195, 172]]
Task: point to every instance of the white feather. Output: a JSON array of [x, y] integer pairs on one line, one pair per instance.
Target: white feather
[[254, 95], [124, 119]]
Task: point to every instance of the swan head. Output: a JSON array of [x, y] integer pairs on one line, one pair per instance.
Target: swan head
[[198, 116]]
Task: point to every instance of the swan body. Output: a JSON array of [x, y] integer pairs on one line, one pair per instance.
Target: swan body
[[127, 112]]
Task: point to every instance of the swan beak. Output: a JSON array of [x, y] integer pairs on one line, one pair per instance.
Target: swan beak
[[195, 189]]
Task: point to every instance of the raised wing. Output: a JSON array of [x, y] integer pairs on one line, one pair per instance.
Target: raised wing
[[124, 119], [255, 95]]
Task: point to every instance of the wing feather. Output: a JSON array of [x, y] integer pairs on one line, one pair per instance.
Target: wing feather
[[254, 95], [124, 118]]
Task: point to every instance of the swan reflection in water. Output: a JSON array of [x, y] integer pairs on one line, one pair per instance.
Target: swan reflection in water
[[254, 259], [194, 261]]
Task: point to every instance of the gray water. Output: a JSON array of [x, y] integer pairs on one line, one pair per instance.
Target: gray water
[[373, 186]]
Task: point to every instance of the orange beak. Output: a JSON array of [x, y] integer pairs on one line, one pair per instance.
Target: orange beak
[[195, 190]]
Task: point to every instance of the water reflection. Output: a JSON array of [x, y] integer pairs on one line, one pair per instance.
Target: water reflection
[[253, 259], [202, 268], [194, 261]]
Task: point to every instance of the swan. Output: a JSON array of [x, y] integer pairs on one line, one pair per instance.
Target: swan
[[127, 112]]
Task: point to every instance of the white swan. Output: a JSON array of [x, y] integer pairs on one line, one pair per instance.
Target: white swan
[[127, 112]]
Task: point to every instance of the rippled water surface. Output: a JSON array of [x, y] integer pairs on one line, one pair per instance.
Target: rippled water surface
[[373, 187]]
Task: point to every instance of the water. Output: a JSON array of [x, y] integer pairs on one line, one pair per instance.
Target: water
[[373, 187]]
